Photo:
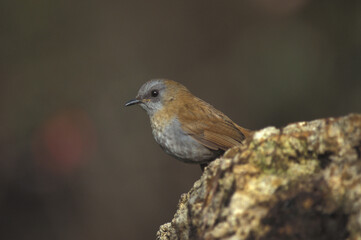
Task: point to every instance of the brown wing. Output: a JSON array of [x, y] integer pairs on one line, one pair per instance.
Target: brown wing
[[209, 126]]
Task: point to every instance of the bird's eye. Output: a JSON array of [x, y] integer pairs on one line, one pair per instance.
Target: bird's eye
[[154, 93]]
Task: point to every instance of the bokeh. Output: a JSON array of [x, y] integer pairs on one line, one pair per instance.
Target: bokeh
[[76, 164]]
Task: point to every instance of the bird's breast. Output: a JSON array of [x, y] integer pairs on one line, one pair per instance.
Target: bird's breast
[[176, 142]]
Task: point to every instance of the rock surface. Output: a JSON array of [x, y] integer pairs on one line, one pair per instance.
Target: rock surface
[[302, 181]]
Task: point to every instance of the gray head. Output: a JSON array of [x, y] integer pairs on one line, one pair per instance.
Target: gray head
[[150, 96]]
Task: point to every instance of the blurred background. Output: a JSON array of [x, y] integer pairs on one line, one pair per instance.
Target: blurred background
[[75, 164]]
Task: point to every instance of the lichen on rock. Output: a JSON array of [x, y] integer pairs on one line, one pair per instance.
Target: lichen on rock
[[302, 181]]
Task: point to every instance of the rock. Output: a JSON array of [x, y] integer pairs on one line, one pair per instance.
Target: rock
[[302, 181]]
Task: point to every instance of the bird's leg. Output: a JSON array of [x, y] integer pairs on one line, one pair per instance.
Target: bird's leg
[[203, 165]]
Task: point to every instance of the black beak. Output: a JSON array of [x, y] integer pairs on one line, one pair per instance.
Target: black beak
[[132, 102]]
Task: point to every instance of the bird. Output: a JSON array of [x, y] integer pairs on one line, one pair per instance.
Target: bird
[[186, 127]]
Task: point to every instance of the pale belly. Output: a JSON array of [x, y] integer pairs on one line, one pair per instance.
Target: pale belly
[[180, 145]]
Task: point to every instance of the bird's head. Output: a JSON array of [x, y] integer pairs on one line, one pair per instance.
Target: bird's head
[[155, 94]]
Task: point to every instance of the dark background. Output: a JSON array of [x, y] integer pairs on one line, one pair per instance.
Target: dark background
[[75, 164]]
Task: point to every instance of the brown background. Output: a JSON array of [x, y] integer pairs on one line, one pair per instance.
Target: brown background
[[75, 164]]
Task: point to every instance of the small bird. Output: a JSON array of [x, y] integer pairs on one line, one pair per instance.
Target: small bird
[[185, 126]]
